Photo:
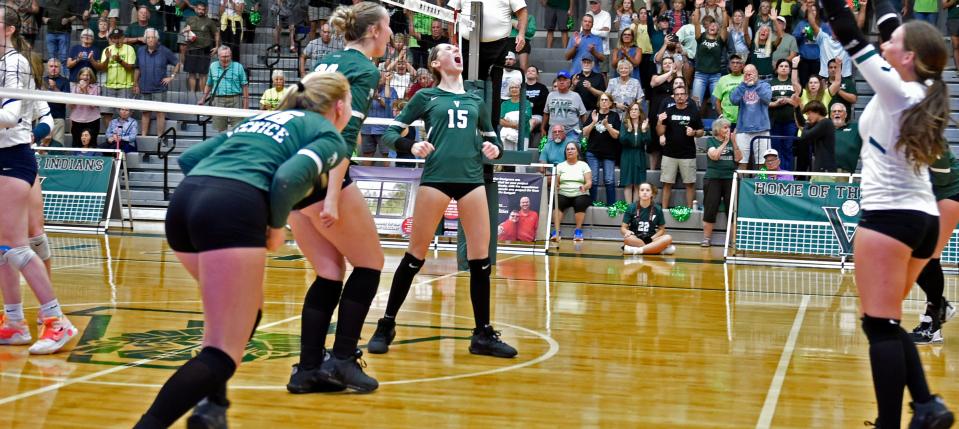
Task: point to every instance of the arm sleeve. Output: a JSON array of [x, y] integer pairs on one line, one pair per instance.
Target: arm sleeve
[[413, 110], [298, 175], [486, 130], [198, 152], [44, 118]]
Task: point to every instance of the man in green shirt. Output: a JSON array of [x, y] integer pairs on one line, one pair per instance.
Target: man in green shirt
[[725, 86], [842, 89], [557, 13], [201, 38], [848, 141]]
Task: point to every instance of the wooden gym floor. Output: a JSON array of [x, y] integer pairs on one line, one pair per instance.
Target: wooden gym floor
[[604, 341]]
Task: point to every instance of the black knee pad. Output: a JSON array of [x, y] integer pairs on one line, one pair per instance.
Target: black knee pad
[[362, 285], [480, 267], [220, 364], [259, 316], [879, 329], [323, 295]]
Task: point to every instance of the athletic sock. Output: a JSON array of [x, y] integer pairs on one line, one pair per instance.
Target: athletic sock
[[888, 362], [932, 282], [194, 380], [479, 290], [915, 376], [51, 309], [14, 312], [218, 396], [358, 294], [402, 280], [318, 307]]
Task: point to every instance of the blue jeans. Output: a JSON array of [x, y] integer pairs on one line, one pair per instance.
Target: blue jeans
[[609, 178], [703, 86], [783, 146], [931, 18], [57, 46]]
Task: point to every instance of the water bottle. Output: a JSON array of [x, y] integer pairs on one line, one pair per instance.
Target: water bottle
[[695, 206]]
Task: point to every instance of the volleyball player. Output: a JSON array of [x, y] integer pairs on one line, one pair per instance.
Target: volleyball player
[[228, 211], [899, 226], [38, 237], [325, 241], [453, 170], [18, 172]]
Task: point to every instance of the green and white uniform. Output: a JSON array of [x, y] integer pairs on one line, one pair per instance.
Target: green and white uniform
[[282, 153], [945, 176], [363, 76], [454, 123], [644, 221]]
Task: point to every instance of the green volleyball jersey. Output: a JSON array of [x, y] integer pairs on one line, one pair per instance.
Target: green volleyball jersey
[[945, 176], [644, 221], [363, 76], [454, 125], [264, 148]]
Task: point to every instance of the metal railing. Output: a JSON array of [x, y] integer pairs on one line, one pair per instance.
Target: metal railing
[[166, 145]]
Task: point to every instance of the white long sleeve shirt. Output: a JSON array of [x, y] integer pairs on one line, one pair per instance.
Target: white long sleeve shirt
[[16, 116]]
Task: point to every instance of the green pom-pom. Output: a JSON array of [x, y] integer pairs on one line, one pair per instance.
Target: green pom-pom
[[256, 17], [680, 213], [599, 204], [570, 23], [583, 144], [542, 143]]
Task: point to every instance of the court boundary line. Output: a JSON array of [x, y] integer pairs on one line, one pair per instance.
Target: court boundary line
[[775, 388]]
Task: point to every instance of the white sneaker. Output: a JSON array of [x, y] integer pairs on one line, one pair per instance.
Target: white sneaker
[[14, 333], [55, 333], [631, 250], [669, 250]]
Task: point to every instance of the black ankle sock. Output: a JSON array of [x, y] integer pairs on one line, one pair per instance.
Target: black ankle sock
[[479, 290], [932, 282], [318, 307], [915, 376], [355, 305], [888, 363], [196, 379], [402, 280]]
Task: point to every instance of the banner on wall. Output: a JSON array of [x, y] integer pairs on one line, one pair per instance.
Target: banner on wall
[[520, 197]]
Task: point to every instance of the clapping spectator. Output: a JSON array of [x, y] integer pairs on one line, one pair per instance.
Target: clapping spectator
[[722, 154], [662, 90], [629, 51], [58, 17], [226, 83], [118, 61], [678, 127], [574, 179], [56, 82], [634, 136], [819, 134], [644, 226], [585, 44], [842, 89], [765, 17], [709, 54], [272, 97], [83, 55], [122, 133], [602, 146], [589, 85], [381, 106], [319, 48], [782, 111], [564, 107], [151, 81], [625, 89], [752, 98], [85, 117], [510, 117]]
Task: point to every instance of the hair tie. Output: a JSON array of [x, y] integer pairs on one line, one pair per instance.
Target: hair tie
[[928, 82], [300, 87]]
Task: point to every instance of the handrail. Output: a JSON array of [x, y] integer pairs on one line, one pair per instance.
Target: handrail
[[163, 142]]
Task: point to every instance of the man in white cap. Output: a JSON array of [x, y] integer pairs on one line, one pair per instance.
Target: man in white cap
[[509, 75], [602, 24], [771, 164]]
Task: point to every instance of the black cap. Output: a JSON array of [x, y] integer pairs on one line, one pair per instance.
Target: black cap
[[116, 33]]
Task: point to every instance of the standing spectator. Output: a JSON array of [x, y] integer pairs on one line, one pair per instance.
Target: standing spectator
[[585, 44], [709, 56], [136, 32], [424, 79], [509, 75], [680, 125], [726, 84], [786, 47], [761, 55], [678, 16], [722, 153], [771, 163], [557, 12], [626, 15], [318, 48], [231, 26], [662, 89], [83, 55], [151, 81], [752, 98], [564, 107], [226, 83], [28, 10], [819, 134], [402, 73], [283, 11], [528, 221], [122, 133], [713, 9], [557, 147], [952, 27], [118, 61], [510, 117], [202, 39], [658, 32], [842, 90], [536, 93], [85, 117], [602, 147], [381, 106], [625, 89], [56, 82], [633, 138], [782, 112], [806, 38], [648, 39], [573, 179], [629, 51], [923, 10], [522, 56], [675, 51], [59, 20], [644, 226], [589, 85], [101, 39], [426, 42], [740, 37], [765, 17], [848, 141], [830, 49], [602, 24], [815, 89], [272, 97]]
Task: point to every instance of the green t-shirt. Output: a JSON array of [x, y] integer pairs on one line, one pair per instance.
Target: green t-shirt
[[762, 60], [725, 86], [262, 147], [781, 89], [454, 123], [847, 84], [363, 76], [511, 106], [709, 55], [954, 12], [945, 176], [643, 221], [530, 28], [926, 6], [725, 166], [848, 146], [558, 4]]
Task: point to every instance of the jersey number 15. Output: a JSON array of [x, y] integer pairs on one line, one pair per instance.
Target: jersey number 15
[[457, 120]]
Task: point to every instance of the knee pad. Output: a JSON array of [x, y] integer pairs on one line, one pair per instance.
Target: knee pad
[[18, 256], [480, 267], [220, 364], [880, 329], [41, 246], [323, 295], [362, 285]]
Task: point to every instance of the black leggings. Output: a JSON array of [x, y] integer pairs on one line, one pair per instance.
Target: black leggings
[[714, 191]]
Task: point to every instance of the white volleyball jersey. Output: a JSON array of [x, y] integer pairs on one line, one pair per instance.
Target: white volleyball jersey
[[16, 116]]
